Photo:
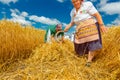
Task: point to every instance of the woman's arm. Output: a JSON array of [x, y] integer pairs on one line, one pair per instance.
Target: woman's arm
[[100, 22], [68, 26]]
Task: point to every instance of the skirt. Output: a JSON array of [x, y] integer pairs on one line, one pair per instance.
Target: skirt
[[84, 48]]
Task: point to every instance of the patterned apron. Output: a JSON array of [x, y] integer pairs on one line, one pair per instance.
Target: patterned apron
[[86, 31]]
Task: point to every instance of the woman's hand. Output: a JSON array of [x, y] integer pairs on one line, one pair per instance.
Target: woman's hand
[[68, 26], [103, 29], [65, 30]]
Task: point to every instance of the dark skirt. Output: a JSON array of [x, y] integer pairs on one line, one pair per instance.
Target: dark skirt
[[84, 48]]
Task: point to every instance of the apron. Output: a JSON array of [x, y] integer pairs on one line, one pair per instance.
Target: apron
[[86, 31]]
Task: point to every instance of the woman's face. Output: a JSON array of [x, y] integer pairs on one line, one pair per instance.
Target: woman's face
[[59, 27], [76, 3]]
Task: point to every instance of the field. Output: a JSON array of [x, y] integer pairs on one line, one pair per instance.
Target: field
[[25, 56]]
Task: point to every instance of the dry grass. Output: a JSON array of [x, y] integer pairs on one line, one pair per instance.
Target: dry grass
[[58, 61], [16, 41]]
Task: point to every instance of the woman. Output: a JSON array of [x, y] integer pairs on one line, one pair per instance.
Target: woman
[[52, 31], [82, 15]]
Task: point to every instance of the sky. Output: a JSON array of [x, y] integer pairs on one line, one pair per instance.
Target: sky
[[42, 13]]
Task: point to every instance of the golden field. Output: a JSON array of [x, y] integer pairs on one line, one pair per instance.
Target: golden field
[[24, 56], [16, 41]]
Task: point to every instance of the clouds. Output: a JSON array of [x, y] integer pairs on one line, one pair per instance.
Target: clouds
[[116, 21], [93, 0], [8, 1], [111, 8], [40, 15], [44, 20], [61, 1], [103, 2], [25, 19], [19, 17]]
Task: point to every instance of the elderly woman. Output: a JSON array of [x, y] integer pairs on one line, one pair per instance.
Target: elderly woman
[[88, 23], [52, 31]]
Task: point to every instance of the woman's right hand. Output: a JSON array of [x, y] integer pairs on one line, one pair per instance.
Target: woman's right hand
[[68, 26], [65, 30]]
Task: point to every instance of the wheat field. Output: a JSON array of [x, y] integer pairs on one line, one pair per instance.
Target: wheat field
[[24, 56], [16, 41]]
